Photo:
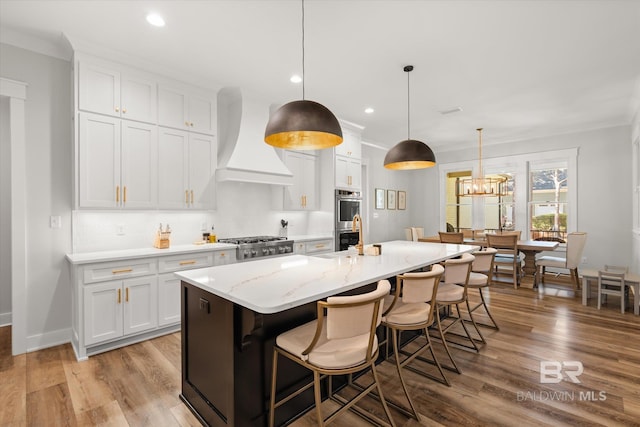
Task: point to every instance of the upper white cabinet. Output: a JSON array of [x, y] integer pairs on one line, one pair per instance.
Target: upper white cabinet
[[186, 162], [303, 194], [182, 110], [351, 142], [117, 163], [348, 155], [125, 94]]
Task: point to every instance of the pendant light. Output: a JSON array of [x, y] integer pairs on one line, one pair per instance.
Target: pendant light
[[410, 153], [303, 125], [482, 185]]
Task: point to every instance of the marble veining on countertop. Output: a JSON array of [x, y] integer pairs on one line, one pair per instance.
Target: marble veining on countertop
[[275, 284]]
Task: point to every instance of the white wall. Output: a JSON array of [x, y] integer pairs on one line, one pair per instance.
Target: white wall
[[635, 162], [604, 185], [5, 213], [48, 183]]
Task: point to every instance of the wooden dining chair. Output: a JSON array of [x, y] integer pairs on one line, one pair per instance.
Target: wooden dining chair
[[451, 237], [507, 258]]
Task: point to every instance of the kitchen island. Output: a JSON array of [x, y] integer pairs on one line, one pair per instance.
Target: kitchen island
[[231, 315]]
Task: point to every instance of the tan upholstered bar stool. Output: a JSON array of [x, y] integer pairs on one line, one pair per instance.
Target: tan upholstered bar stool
[[480, 278], [453, 292], [411, 310], [342, 341]]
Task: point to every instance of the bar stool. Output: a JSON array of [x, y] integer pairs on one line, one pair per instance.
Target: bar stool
[[454, 292], [410, 310], [342, 341], [480, 278]]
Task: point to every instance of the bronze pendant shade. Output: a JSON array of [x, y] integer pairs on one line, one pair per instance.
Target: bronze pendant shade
[[303, 125], [410, 153]]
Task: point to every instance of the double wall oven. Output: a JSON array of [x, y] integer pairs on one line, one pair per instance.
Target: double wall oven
[[348, 204]]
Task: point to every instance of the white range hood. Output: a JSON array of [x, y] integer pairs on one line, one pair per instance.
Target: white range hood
[[242, 153]]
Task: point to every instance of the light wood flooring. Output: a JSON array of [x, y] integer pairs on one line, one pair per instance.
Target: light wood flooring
[[139, 385]]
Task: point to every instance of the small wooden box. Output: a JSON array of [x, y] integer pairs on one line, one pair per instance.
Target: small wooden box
[[162, 240]]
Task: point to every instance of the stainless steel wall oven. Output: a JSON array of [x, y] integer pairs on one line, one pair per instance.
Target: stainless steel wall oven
[[348, 204]]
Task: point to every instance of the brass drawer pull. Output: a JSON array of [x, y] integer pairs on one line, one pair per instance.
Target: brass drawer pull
[[124, 194], [119, 296], [186, 196], [117, 194], [187, 262], [319, 246], [124, 270], [191, 196], [126, 298]]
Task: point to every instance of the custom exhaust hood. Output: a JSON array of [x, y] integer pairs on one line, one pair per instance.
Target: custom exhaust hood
[[242, 153]]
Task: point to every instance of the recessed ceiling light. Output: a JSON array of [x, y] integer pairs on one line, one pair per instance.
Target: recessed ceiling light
[[155, 20], [295, 79], [369, 110]]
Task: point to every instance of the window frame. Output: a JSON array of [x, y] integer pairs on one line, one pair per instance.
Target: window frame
[[519, 165]]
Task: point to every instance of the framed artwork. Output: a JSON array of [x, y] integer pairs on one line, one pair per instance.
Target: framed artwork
[[380, 200], [391, 199], [402, 200]]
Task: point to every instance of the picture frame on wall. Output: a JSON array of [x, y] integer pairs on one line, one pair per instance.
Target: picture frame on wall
[[391, 199], [402, 200], [380, 199]]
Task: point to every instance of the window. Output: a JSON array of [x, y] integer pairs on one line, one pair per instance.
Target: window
[[548, 202], [541, 195]]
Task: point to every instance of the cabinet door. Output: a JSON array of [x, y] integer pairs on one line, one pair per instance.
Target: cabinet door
[[224, 257], [355, 172], [172, 169], [102, 312], [201, 114], [342, 172], [99, 89], [140, 304], [293, 193], [138, 98], [139, 177], [351, 146], [202, 160], [99, 156], [168, 299], [172, 108], [309, 182]]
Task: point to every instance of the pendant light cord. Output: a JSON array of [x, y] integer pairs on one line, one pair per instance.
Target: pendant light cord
[[303, 82], [480, 172], [408, 105]]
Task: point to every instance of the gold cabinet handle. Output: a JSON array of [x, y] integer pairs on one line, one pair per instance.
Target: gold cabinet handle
[[187, 262], [124, 194], [126, 298], [191, 124], [186, 123], [186, 196], [117, 194], [119, 296], [191, 196], [124, 110], [117, 109], [221, 254], [123, 270], [319, 246]]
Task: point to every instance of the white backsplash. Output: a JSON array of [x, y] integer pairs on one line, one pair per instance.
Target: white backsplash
[[243, 209]]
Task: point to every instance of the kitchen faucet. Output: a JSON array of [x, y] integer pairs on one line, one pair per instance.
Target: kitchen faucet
[[357, 225]]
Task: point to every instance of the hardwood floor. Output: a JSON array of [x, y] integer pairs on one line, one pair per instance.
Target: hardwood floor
[[139, 385]]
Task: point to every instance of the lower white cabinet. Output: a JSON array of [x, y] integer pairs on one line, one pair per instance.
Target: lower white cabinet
[[120, 307], [313, 247], [117, 303]]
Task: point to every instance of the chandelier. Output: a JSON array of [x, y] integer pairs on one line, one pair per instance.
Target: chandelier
[[482, 185]]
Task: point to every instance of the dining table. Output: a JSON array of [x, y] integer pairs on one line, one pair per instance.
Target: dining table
[[530, 248]]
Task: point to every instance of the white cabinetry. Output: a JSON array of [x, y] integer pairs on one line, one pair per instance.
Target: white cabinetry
[[179, 109], [116, 303], [117, 163], [348, 157], [303, 194], [186, 165], [107, 90], [313, 247]]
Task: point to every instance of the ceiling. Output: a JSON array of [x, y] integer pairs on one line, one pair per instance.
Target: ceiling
[[519, 69]]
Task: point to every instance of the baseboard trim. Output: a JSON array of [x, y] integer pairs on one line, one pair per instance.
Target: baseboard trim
[[48, 339], [5, 319]]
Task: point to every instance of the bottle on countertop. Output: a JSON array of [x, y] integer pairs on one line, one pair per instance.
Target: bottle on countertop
[[212, 236]]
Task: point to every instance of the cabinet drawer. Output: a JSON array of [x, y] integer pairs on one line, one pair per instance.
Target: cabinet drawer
[[224, 257], [119, 270], [317, 246], [184, 262]]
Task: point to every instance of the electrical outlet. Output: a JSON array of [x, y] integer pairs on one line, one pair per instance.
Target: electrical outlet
[[120, 229], [55, 221], [584, 260]]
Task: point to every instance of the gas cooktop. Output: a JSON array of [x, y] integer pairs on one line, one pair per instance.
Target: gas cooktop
[[259, 246]]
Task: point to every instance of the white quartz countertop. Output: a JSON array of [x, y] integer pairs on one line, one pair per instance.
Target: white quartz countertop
[[277, 284], [115, 255]]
